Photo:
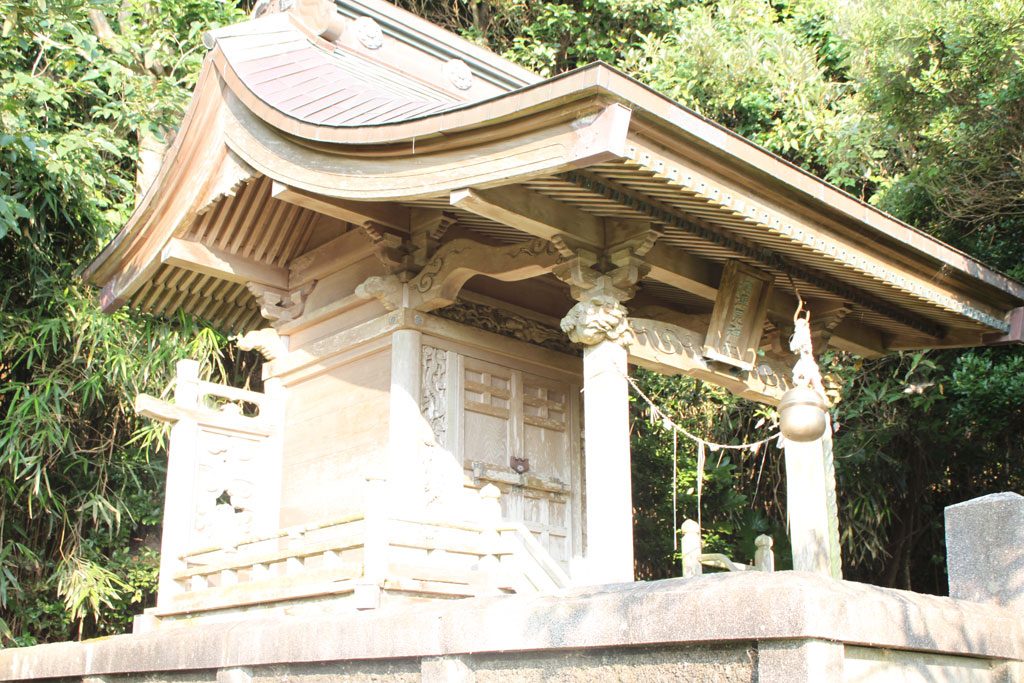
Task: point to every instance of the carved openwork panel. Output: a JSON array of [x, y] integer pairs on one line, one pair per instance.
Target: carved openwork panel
[[226, 488]]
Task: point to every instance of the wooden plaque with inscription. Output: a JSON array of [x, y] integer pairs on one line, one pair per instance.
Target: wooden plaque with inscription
[[738, 317]]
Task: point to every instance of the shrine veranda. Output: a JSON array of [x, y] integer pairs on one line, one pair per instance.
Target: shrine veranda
[[450, 266]]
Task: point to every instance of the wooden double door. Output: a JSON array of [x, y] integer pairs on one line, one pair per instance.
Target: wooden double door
[[518, 428]]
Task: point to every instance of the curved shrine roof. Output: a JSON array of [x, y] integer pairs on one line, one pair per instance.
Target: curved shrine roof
[[372, 107], [318, 83]]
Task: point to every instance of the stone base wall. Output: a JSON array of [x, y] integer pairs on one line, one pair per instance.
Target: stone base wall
[[720, 628]]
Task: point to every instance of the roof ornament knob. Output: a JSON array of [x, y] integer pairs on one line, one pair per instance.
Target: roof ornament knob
[[459, 74], [369, 34]]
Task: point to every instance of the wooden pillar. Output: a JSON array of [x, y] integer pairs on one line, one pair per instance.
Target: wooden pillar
[[609, 496], [599, 322], [813, 525], [405, 423], [691, 549], [272, 474], [376, 561], [179, 502]]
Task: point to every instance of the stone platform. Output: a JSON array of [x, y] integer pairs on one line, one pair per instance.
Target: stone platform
[[786, 626]]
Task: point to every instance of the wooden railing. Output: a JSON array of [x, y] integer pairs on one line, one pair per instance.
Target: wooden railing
[[422, 557], [694, 559], [303, 561], [222, 547]]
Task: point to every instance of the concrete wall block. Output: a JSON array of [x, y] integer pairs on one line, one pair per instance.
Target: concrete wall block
[[446, 670], [799, 661], [234, 675]]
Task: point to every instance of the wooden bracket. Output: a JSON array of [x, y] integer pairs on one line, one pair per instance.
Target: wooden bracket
[[280, 306], [439, 282]]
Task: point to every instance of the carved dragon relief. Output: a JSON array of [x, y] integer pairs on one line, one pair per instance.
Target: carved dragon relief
[[266, 341], [434, 392], [600, 283], [676, 349], [508, 324], [595, 319]]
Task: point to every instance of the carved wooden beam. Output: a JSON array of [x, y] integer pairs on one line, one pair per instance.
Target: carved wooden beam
[[426, 228], [163, 411], [544, 217], [533, 213], [391, 215], [672, 349], [200, 258], [438, 284], [331, 257]]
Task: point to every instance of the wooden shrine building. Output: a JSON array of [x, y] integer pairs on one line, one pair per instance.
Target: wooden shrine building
[[450, 265], [424, 240]]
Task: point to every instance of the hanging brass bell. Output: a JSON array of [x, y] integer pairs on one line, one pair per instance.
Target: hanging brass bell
[[802, 415]]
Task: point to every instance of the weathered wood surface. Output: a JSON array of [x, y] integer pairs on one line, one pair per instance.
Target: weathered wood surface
[[672, 349]]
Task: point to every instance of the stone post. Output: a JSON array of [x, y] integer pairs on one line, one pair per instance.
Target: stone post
[[764, 556], [179, 505], [599, 322], [985, 550]]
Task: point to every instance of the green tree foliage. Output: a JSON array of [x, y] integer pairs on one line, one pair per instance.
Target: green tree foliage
[[80, 489]]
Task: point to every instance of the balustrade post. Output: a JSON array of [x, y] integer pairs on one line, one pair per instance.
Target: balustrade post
[[375, 543], [179, 504], [764, 555], [691, 549], [490, 519]]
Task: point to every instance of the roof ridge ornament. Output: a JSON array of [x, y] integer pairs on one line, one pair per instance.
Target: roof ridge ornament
[[459, 74], [317, 16], [369, 33]]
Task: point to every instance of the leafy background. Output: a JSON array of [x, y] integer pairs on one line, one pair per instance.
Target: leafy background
[[915, 106]]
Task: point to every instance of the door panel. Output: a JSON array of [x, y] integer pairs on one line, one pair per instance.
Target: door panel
[[512, 421]]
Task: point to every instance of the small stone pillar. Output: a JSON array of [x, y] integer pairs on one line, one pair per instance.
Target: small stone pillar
[[985, 549], [599, 321], [691, 549]]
